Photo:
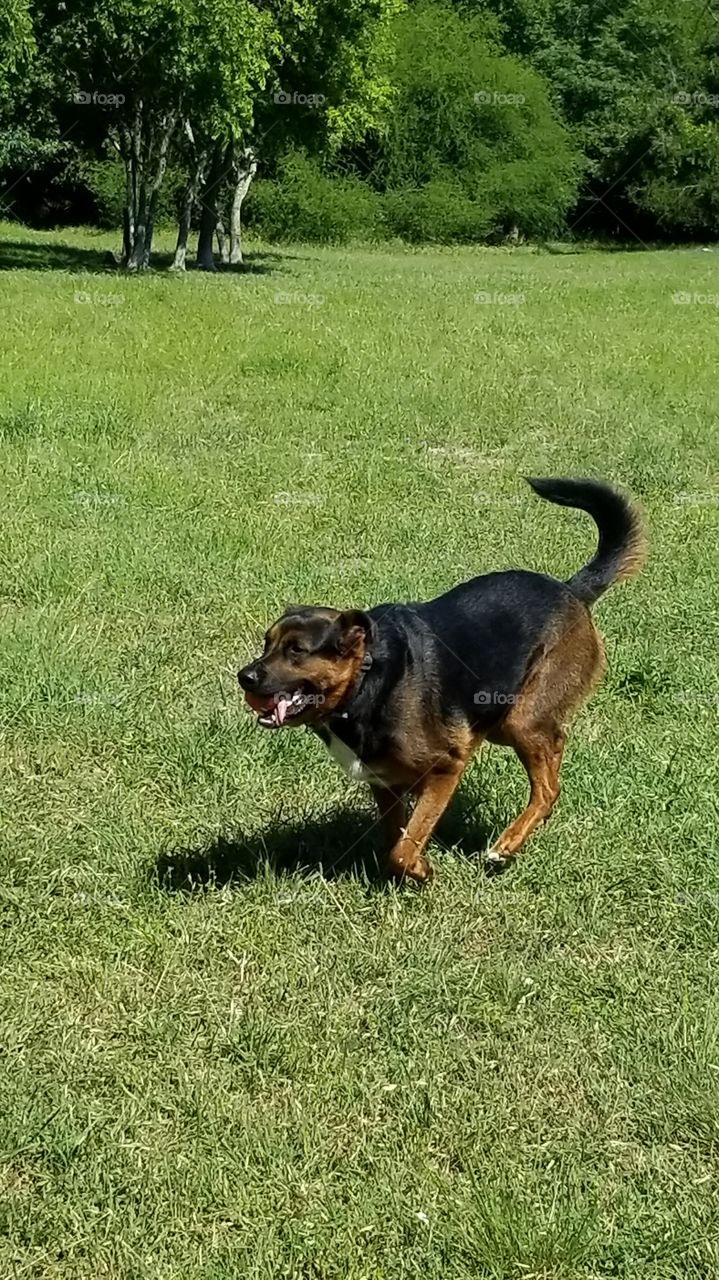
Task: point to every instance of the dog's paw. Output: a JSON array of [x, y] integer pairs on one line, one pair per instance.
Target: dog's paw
[[495, 861], [420, 871], [414, 868]]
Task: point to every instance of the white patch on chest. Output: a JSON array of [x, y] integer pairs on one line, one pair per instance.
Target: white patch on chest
[[351, 764]]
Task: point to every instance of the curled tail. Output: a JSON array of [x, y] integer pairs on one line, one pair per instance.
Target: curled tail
[[622, 543]]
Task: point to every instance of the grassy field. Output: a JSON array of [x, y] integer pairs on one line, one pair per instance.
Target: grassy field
[[227, 1048]]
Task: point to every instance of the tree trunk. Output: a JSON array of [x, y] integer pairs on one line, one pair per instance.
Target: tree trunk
[[208, 215], [127, 235], [137, 257], [188, 203], [128, 208], [246, 170], [147, 140], [183, 230], [137, 189], [168, 130], [222, 242]]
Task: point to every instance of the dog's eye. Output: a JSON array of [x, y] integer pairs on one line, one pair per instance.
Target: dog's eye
[[295, 650]]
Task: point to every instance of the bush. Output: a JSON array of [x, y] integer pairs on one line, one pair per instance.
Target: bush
[[305, 204], [470, 119], [440, 212], [681, 189], [530, 196]]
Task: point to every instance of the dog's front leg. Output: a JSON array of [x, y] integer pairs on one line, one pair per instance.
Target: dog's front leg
[[434, 793], [392, 806]]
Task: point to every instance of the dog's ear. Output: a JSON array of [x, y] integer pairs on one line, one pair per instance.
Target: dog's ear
[[352, 629]]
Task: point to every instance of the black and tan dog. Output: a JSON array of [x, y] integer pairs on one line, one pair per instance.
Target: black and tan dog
[[404, 693]]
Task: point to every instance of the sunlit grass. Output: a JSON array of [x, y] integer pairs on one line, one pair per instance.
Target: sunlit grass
[[228, 1049]]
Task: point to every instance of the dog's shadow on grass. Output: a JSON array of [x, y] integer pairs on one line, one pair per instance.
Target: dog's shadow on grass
[[340, 844]]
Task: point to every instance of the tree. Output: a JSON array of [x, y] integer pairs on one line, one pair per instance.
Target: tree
[[231, 47], [681, 186], [328, 83], [477, 122], [197, 83], [245, 168], [29, 134], [118, 67], [630, 80], [17, 44], [138, 69]]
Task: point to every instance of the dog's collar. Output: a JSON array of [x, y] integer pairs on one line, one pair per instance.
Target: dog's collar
[[364, 668]]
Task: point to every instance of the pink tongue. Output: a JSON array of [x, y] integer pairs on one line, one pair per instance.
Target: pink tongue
[[281, 709]]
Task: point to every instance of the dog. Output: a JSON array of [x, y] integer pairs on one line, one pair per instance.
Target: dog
[[403, 694]]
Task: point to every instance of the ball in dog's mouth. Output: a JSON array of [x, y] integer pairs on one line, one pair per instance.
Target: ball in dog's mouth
[[275, 710]]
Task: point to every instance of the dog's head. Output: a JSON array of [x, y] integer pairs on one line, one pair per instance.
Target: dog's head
[[311, 659]]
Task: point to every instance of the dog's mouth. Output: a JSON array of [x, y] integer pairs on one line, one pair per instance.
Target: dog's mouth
[[278, 709]]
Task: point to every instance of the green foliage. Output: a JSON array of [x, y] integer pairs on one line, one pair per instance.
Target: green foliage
[[531, 196], [632, 80], [341, 55], [469, 119], [229, 48], [440, 212], [17, 43], [678, 179], [489, 116], [20, 148], [304, 203], [105, 181], [201, 58]]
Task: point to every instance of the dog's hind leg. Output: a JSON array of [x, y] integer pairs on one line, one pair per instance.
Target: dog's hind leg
[[568, 668], [540, 750]]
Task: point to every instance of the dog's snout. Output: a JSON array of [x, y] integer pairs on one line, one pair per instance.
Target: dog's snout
[[249, 677]]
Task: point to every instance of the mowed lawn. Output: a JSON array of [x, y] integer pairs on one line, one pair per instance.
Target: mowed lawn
[[228, 1049]]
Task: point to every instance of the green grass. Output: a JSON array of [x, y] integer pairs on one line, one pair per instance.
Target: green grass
[[227, 1048]]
